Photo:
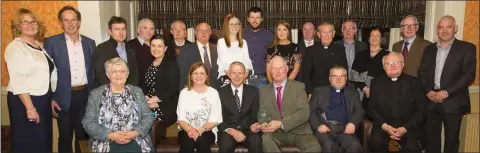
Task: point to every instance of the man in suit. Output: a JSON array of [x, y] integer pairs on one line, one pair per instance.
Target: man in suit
[[178, 29], [200, 51], [396, 106], [308, 32], [352, 46], [285, 103], [320, 57], [336, 111], [239, 111], [411, 46], [141, 46], [115, 47], [72, 54], [447, 69]]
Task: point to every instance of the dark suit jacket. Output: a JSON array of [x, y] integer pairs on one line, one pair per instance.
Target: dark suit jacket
[[248, 114], [295, 108], [359, 46], [321, 99], [144, 59], [56, 47], [189, 55], [106, 51], [412, 63], [171, 53], [166, 89], [458, 73], [317, 63]]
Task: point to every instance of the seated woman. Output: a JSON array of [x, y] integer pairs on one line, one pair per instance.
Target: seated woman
[[199, 112], [117, 118], [161, 83]]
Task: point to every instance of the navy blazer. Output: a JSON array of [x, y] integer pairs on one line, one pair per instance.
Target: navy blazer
[[56, 47]]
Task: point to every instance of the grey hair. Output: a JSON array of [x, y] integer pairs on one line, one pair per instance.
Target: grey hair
[[391, 53], [354, 24], [448, 17], [115, 61], [196, 27], [177, 21], [237, 63], [278, 58], [140, 23], [410, 16]]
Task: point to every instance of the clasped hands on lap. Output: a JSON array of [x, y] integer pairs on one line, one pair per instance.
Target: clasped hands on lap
[[123, 137], [349, 129], [395, 133]]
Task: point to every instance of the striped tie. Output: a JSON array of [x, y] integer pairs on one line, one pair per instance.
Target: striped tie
[[237, 99]]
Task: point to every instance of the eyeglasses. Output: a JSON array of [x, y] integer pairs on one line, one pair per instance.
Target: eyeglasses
[[203, 31], [393, 63], [406, 26], [338, 76], [25, 22], [234, 24], [349, 28]]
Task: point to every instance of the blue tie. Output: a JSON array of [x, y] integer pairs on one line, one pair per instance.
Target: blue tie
[[206, 59]]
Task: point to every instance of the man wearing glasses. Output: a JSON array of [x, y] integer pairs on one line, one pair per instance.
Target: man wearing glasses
[[411, 46], [396, 106], [352, 46]]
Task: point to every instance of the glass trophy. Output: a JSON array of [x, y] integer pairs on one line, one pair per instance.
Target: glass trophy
[[263, 117]]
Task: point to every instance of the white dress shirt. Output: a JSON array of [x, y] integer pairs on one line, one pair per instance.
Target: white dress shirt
[[228, 55], [240, 92], [306, 43], [76, 58], [200, 48]]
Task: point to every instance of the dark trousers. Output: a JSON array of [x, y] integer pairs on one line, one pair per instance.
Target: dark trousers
[[337, 141], [71, 121], [227, 143], [28, 136], [379, 141], [452, 123], [202, 145]]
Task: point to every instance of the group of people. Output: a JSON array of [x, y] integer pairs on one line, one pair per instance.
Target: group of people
[[253, 87]]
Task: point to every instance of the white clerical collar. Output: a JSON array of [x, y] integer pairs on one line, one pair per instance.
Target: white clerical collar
[[394, 79], [336, 90]]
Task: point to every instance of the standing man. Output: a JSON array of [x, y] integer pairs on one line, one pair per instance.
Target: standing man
[[200, 51], [258, 40], [336, 111], [411, 46], [239, 111], [447, 69], [320, 57], [352, 46], [286, 104], [308, 32], [141, 46], [72, 54], [115, 47], [178, 29], [396, 106]]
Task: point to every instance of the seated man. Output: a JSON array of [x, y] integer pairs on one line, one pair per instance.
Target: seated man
[[336, 111], [397, 104], [285, 103], [239, 111]]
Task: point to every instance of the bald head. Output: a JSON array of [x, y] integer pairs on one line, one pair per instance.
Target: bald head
[[145, 29], [393, 64]]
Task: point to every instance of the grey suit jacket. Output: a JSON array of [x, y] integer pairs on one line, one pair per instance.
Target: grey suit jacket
[[412, 63], [295, 107], [190, 54], [100, 132], [321, 99]]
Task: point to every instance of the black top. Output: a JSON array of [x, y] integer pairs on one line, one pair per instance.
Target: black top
[[289, 52], [150, 85], [366, 67], [144, 59]]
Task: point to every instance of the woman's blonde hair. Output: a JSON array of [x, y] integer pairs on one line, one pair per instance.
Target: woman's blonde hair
[[18, 18], [277, 40], [194, 67], [226, 30]]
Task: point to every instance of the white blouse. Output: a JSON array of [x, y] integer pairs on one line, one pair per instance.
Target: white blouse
[[228, 55], [199, 108]]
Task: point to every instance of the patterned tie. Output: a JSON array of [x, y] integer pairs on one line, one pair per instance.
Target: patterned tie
[[239, 105], [405, 49], [206, 58], [279, 101]]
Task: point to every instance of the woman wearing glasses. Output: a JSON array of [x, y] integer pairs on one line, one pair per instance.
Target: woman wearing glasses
[[33, 78], [368, 64], [231, 48]]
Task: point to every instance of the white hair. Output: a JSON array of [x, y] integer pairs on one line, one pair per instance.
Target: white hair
[[142, 21], [115, 61], [410, 16]]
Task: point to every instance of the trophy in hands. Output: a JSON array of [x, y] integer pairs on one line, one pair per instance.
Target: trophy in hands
[[263, 118]]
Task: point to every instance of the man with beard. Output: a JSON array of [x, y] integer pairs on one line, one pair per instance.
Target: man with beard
[[141, 45], [258, 40], [352, 46]]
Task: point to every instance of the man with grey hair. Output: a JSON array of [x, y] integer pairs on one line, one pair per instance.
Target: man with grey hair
[[352, 46], [141, 45], [411, 46], [178, 29], [320, 57], [447, 69]]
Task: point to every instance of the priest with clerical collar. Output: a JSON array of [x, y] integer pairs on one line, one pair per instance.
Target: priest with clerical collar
[[397, 106]]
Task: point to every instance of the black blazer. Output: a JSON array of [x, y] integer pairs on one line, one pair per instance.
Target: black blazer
[[144, 59], [106, 51], [189, 55], [231, 117], [321, 99], [458, 73], [317, 63], [171, 53], [166, 89]]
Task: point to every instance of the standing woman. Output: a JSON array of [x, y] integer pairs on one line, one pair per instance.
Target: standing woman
[[283, 46], [161, 80], [231, 48], [368, 64], [199, 112], [33, 78]]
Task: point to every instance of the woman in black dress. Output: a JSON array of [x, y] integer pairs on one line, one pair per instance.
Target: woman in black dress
[[283, 46], [161, 82], [368, 64]]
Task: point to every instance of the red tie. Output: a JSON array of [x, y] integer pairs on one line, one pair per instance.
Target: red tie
[[405, 50], [279, 101]]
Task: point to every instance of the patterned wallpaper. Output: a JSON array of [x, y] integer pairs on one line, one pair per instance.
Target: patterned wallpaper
[[471, 30], [45, 10]]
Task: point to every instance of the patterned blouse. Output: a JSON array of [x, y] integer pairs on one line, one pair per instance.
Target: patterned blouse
[[150, 83], [289, 52]]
